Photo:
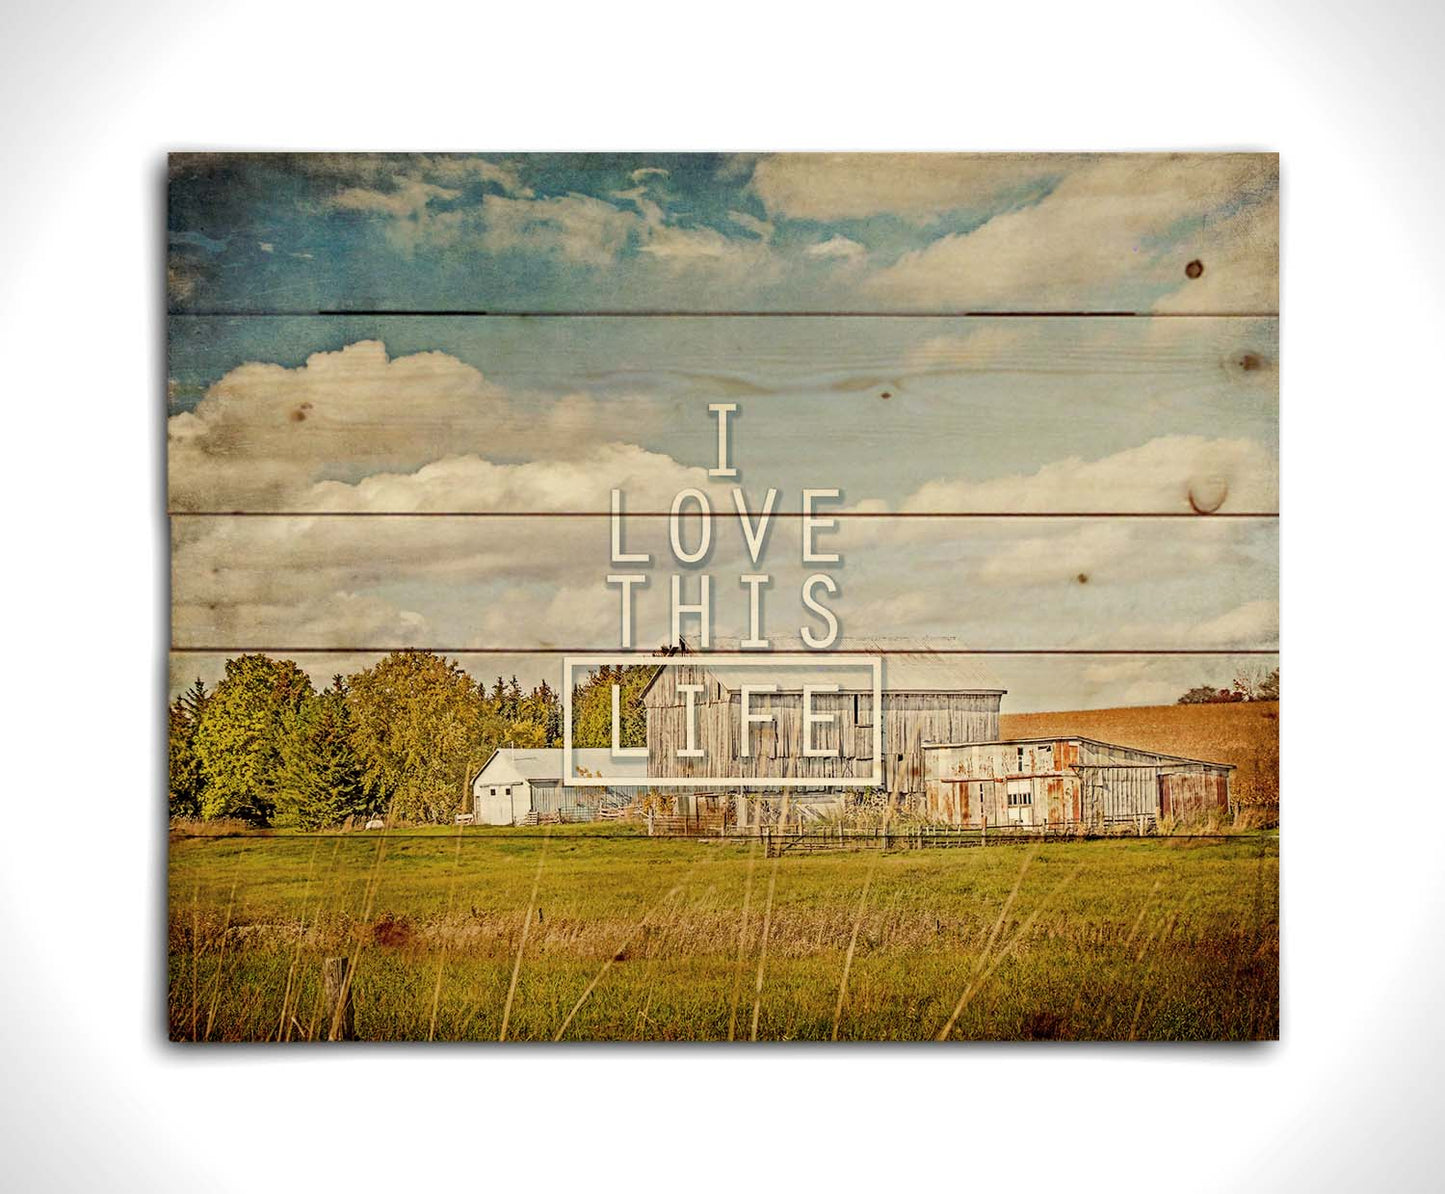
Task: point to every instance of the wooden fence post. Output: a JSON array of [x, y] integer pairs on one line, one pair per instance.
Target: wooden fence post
[[339, 1008]]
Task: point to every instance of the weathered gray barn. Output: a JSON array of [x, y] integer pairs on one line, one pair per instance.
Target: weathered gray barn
[[927, 696], [1064, 780]]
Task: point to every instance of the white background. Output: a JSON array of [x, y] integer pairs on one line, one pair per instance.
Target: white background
[[94, 93]]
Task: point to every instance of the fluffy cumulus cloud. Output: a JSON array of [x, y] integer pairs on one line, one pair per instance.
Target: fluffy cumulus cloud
[[264, 436]]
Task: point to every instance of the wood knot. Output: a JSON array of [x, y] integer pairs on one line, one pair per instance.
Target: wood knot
[[1194, 268], [1249, 362], [1082, 578], [1207, 494], [886, 394]]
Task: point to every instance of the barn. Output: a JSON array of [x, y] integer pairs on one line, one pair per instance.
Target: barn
[[1057, 781], [929, 694], [520, 787]]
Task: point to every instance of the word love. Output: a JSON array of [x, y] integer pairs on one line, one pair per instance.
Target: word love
[[694, 505]]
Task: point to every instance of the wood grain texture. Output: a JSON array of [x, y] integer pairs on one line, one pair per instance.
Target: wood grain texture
[[883, 233], [1045, 386], [515, 584], [388, 415]]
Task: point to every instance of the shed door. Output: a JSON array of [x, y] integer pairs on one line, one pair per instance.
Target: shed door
[[1020, 802]]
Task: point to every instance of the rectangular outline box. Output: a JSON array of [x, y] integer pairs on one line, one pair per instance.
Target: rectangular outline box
[[762, 658]]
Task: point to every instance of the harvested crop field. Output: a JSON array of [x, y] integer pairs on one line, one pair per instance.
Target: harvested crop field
[[1245, 734]]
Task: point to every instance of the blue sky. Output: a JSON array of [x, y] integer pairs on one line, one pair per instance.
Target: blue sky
[[298, 233], [297, 413]]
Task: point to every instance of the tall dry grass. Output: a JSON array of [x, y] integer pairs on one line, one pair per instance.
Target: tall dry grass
[[1163, 938]]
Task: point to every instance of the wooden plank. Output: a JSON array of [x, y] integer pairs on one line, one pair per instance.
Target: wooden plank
[[380, 415], [891, 233], [519, 583]]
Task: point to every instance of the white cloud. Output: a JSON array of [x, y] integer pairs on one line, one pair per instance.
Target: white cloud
[[918, 187], [457, 171], [1100, 554], [582, 482], [1171, 474], [576, 227], [684, 248], [408, 204], [838, 248], [1104, 229], [762, 229], [263, 435]]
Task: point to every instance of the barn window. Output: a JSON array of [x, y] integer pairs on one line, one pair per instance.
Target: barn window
[[494, 791], [1021, 760], [1020, 794], [508, 792]]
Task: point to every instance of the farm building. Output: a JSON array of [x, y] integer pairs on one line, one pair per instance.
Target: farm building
[[927, 696], [1056, 781], [517, 787]]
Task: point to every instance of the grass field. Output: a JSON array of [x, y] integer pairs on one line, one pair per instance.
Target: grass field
[[1246, 734], [648, 939]]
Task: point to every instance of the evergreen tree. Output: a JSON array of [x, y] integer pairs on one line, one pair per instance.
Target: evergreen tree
[[320, 782], [187, 779]]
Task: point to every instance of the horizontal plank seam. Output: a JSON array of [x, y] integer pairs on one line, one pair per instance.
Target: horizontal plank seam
[[645, 653], [722, 514], [479, 313]]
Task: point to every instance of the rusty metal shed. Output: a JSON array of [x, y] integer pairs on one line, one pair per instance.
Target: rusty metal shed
[[1066, 780]]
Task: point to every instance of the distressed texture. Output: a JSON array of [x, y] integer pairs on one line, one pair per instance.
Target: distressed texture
[[697, 232], [1063, 781], [510, 415]]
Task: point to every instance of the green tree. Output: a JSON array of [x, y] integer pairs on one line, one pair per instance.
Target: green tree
[[187, 780], [320, 782], [530, 719], [420, 728], [238, 738], [592, 706]]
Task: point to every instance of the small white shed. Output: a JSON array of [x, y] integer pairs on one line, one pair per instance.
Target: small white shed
[[515, 783]]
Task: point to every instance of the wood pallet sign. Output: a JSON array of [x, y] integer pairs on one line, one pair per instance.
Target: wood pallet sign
[[600, 582]]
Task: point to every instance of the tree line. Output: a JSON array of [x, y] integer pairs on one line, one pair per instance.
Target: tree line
[[1262, 685], [402, 738]]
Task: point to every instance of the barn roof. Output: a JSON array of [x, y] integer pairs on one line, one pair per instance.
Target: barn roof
[[545, 765], [909, 665], [1139, 750]]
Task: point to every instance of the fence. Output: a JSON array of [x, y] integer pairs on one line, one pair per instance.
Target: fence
[[777, 840]]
